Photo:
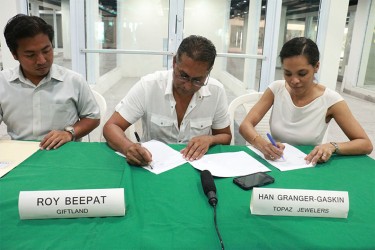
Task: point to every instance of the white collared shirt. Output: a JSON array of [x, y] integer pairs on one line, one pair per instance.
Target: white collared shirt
[[299, 125], [151, 99], [59, 100]]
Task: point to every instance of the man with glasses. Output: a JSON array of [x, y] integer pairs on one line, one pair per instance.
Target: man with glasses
[[182, 105]]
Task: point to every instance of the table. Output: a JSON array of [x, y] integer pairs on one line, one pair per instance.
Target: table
[[170, 210]]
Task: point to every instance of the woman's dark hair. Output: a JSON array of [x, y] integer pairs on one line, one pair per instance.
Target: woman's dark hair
[[197, 48], [300, 46], [23, 26]]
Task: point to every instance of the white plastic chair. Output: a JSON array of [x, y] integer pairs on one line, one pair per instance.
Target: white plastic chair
[[103, 109], [247, 101]]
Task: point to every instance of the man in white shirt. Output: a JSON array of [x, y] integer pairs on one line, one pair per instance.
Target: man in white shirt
[[182, 105], [38, 99]]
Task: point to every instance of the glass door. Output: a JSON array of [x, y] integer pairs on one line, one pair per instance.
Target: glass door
[[366, 79], [126, 39], [236, 28], [298, 18], [56, 13]]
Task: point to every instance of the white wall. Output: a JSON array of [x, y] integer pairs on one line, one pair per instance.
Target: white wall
[[370, 69], [208, 19], [93, 22], [65, 16], [12, 8], [352, 70], [144, 25], [367, 60], [330, 38]]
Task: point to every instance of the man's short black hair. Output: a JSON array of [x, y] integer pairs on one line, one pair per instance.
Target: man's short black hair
[[23, 26], [197, 48]]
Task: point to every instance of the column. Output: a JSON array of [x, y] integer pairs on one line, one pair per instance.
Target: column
[[253, 22], [331, 27], [13, 7]]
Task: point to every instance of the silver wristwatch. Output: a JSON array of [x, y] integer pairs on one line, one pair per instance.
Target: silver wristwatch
[[70, 129], [337, 150]]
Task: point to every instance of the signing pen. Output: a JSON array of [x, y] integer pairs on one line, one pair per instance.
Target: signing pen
[[273, 142], [139, 141], [137, 137]]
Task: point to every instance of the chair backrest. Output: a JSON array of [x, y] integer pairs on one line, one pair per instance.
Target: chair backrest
[[97, 133], [247, 101]]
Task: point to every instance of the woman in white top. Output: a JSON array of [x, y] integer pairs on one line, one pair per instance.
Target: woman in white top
[[302, 109]]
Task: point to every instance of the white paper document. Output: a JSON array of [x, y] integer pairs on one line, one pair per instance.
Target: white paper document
[[229, 164], [14, 152], [293, 158], [4, 164], [164, 157]]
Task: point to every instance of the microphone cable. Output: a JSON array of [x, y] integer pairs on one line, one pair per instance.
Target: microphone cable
[[209, 189], [217, 229]]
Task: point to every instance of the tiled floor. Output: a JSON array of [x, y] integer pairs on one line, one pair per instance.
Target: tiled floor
[[362, 110]]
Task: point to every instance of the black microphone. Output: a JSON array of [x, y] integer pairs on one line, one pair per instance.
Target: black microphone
[[209, 188]]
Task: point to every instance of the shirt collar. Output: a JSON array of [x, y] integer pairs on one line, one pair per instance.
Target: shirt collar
[[16, 73], [54, 72]]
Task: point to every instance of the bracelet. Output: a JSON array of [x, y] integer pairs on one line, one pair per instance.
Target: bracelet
[[256, 136], [337, 149]]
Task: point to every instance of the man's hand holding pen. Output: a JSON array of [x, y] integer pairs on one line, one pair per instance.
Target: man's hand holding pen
[[138, 155]]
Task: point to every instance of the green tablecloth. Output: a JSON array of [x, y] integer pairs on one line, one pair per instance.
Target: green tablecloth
[[170, 210]]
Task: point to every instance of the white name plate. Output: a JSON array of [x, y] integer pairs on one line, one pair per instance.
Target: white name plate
[[299, 202], [71, 203]]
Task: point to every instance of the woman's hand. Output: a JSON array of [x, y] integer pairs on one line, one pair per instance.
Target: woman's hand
[[320, 154], [271, 152]]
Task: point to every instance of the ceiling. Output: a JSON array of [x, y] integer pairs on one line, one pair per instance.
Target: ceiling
[[239, 8]]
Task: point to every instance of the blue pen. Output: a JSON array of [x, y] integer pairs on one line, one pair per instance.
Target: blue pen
[[273, 142]]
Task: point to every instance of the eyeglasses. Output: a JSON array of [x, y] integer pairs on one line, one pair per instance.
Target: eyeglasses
[[196, 81]]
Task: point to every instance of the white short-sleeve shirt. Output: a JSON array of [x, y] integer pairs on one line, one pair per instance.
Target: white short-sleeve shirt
[[59, 100], [299, 125], [151, 99]]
